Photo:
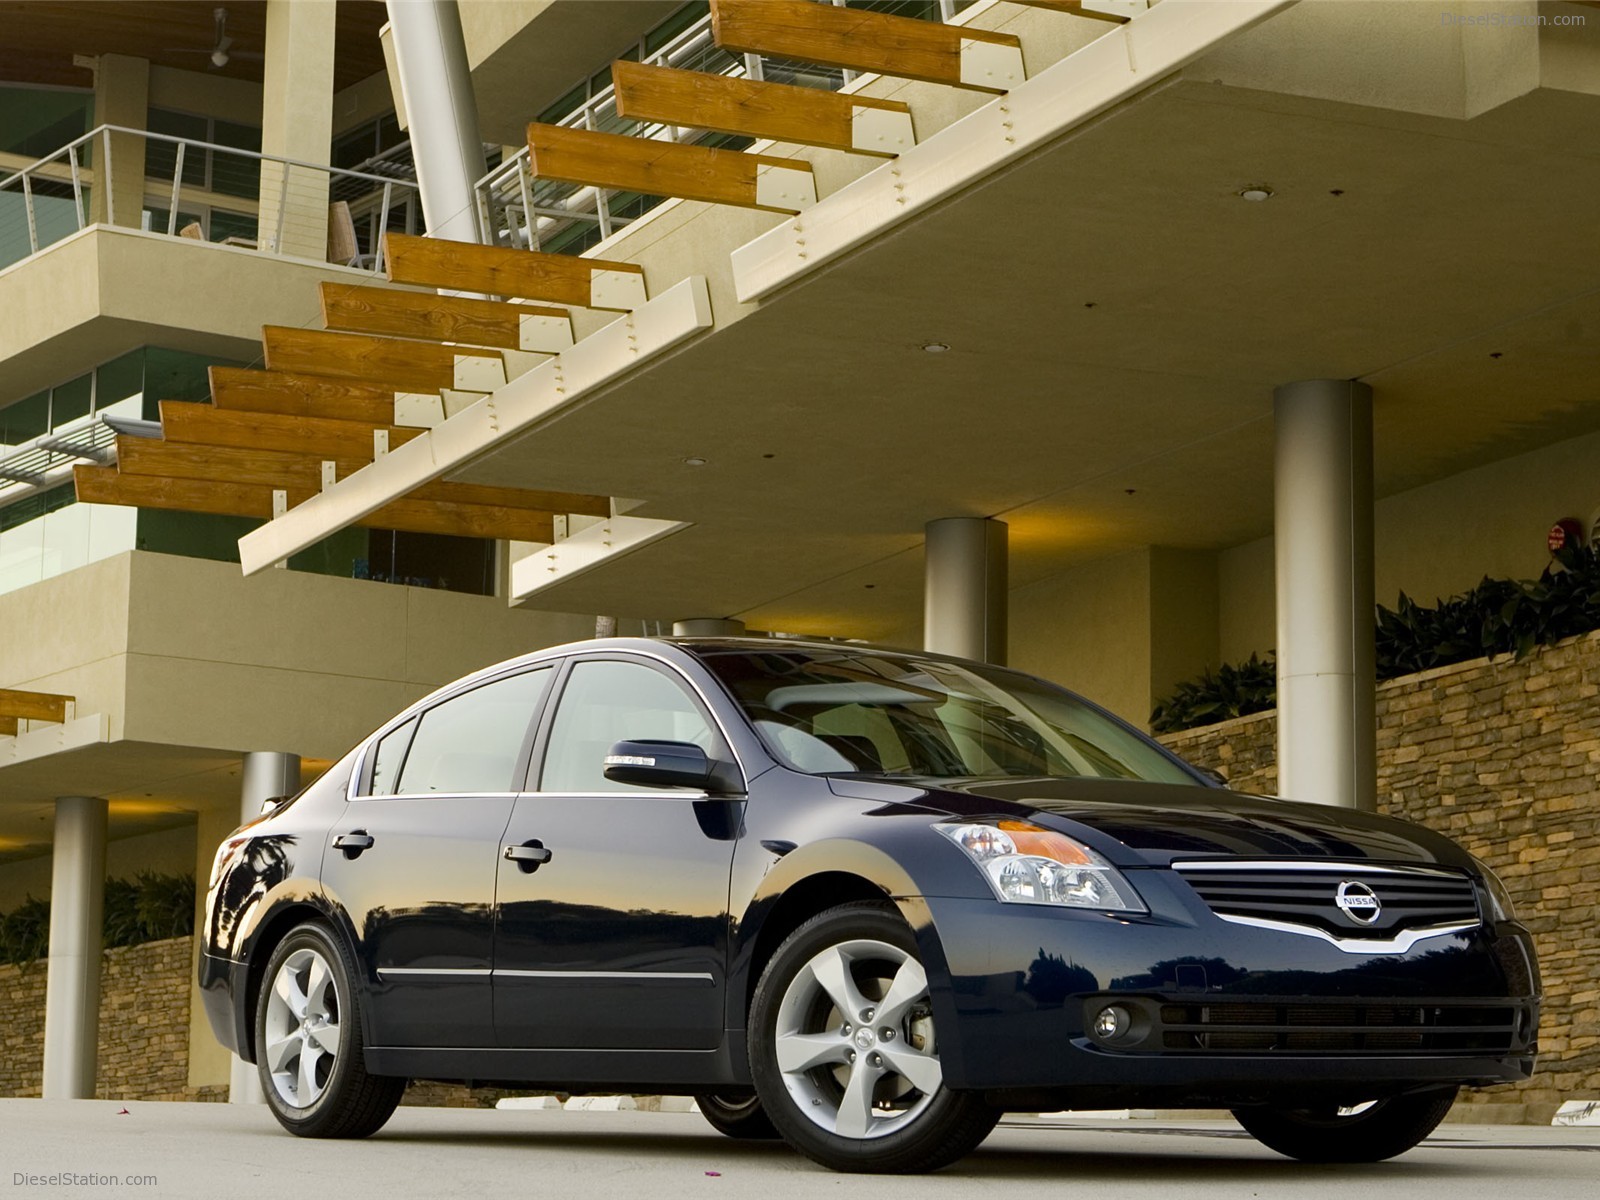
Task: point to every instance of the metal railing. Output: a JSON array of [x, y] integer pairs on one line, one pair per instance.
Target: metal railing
[[514, 209], [202, 190]]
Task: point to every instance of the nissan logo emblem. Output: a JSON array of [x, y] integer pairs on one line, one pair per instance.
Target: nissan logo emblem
[[1358, 902]]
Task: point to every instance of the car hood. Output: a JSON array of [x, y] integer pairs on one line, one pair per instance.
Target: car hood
[[1147, 824]]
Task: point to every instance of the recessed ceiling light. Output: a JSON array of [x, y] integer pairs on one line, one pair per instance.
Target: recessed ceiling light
[[1257, 192], [935, 347], [694, 460]]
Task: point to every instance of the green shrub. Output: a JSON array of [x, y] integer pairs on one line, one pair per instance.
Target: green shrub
[[1498, 616], [147, 908]]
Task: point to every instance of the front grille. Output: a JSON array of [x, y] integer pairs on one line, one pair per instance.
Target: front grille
[[1307, 894], [1360, 1027]]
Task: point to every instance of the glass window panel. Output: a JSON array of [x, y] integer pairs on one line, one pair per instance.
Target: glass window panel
[[387, 757], [25, 419], [226, 224], [235, 174], [608, 702], [71, 401], [470, 743], [161, 157], [119, 379], [35, 122], [674, 25], [228, 133]]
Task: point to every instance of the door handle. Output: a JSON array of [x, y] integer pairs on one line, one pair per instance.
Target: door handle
[[354, 842], [529, 856]]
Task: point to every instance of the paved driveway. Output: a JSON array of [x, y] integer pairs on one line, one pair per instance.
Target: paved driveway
[[223, 1151]]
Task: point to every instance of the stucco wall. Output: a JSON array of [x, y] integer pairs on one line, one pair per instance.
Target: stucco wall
[[1503, 757]]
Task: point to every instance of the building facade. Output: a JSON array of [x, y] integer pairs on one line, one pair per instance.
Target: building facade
[[1123, 341]]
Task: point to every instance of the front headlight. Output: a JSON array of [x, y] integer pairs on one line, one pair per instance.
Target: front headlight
[[1500, 906], [1027, 864]]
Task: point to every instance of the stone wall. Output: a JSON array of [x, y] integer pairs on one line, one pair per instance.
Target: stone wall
[[144, 1025], [1504, 757]]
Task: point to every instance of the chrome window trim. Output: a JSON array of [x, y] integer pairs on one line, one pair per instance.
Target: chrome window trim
[[1302, 865], [674, 670], [1399, 944], [418, 707]]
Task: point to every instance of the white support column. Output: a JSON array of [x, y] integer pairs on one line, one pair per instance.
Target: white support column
[[266, 774], [72, 984], [964, 601], [441, 113], [708, 627], [1323, 537]]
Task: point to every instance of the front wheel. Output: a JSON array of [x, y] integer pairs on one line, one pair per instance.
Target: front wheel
[[1364, 1133], [736, 1114], [308, 1043], [844, 1053]]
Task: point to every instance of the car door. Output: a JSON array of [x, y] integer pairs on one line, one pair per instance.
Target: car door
[[620, 939], [412, 861]]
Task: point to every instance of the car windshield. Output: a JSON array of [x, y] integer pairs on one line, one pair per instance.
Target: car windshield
[[855, 711]]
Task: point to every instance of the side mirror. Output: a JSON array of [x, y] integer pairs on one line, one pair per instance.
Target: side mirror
[[272, 804], [659, 764]]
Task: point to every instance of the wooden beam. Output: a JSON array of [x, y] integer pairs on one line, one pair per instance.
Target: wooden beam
[[1075, 7], [858, 40], [301, 473], [33, 706], [317, 437], [402, 365], [657, 168], [528, 274], [104, 485], [296, 395], [8, 727], [780, 111], [459, 319]]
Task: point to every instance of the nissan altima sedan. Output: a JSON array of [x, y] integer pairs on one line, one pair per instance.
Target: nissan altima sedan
[[862, 900]]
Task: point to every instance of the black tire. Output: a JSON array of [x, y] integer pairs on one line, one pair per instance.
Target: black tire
[[346, 1101], [737, 1114], [1324, 1135], [933, 1127]]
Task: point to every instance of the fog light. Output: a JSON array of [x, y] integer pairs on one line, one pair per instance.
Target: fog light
[[1112, 1022]]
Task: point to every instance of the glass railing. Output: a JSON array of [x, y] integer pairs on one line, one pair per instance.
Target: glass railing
[[514, 209], [206, 192]]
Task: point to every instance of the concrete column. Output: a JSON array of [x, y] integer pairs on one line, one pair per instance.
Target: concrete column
[[708, 627], [441, 113], [72, 985], [266, 774], [296, 122], [964, 598], [121, 97], [1327, 725]]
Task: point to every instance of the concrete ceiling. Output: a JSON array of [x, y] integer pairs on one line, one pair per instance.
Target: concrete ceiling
[[1118, 317], [148, 786]]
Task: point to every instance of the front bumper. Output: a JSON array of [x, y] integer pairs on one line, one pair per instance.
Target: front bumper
[[1223, 1014]]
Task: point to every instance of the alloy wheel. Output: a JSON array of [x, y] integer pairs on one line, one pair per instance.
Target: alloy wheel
[[855, 1042], [302, 1028]]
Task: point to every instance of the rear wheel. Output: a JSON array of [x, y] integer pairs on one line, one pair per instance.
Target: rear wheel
[[308, 1043], [1365, 1133], [844, 1053], [737, 1114]]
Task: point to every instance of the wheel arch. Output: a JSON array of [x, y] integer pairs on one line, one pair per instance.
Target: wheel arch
[[810, 881], [268, 934]]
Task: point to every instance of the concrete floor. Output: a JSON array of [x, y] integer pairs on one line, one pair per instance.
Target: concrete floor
[[218, 1150]]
